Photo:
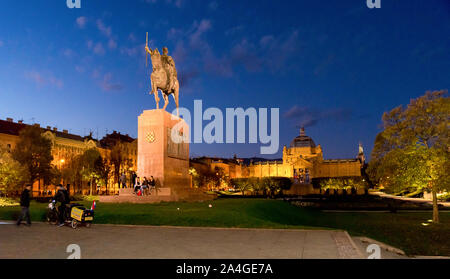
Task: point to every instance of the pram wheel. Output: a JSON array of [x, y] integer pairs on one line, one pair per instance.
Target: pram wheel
[[74, 224], [88, 225]]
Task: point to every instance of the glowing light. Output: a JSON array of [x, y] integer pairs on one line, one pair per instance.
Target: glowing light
[[62, 161], [425, 224]]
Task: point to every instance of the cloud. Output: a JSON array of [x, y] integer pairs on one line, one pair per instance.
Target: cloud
[[56, 82], [107, 85], [112, 44], [213, 5], [307, 117], [176, 3], [244, 53], [99, 49], [132, 37], [41, 79], [106, 30], [69, 53], [286, 46], [323, 66], [234, 30], [36, 77], [180, 53], [185, 77], [192, 49], [96, 73], [195, 38], [79, 69], [131, 52], [271, 53], [81, 22], [96, 48], [266, 40]]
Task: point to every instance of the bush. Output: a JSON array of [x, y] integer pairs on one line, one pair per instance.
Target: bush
[[8, 202], [85, 198], [343, 183], [267, 185], [444, 196]]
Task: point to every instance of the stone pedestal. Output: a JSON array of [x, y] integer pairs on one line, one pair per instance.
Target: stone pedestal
[[159, 154]]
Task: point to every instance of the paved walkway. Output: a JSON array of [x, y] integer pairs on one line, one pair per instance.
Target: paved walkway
[[417, 200], [108, 241]]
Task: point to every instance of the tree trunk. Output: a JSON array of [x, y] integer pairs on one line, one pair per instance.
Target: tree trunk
[[435, 206], [90, 191]]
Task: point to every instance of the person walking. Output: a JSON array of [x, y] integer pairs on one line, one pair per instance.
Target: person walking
[[123, 181], [133, 178], [63, 198], [25, 205]]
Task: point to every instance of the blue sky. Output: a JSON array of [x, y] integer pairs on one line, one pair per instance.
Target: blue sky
[[332, 66]]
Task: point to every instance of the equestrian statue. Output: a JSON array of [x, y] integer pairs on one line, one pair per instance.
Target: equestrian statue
[[164, 76]]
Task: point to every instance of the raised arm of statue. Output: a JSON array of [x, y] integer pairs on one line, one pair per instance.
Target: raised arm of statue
[[148, 50]]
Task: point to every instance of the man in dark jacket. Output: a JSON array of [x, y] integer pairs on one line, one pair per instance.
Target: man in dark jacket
[[25, 204], [62, 197]]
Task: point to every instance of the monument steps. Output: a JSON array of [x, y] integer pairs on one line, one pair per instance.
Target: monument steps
[[163, 195], [136, 199]]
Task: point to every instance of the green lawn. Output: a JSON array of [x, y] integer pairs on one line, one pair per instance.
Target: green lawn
[[402, 230]]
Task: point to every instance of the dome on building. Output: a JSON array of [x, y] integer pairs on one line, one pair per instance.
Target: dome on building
[[303, 140]]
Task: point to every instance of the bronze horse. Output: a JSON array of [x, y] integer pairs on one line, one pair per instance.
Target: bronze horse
[[160, 81]]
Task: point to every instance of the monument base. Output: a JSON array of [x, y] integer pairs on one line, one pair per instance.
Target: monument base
[[164, 156], [160, 195]]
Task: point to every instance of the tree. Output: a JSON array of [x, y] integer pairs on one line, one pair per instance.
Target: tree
[[119, 159], [91, 167], [103, 169], [34, 152], [413, 149], [12, 174], [71, 172], [341, 183], [220, 178], [242, 184], [276, 184], [206, 177]]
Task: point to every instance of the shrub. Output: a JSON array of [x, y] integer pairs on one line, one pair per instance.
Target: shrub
[[337, 183], [266, 185]]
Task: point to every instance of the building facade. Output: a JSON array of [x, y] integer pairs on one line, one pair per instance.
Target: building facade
[[302, 161], [66, 146]]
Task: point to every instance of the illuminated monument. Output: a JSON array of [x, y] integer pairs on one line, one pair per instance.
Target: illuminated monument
[[160, 154]]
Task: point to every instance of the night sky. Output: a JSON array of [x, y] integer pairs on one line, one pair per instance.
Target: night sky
[[331, 66]]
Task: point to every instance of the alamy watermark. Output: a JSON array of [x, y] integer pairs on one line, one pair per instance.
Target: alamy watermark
[[257, 130], [373, 4], [74, 250], [73, 4], [374, 251]]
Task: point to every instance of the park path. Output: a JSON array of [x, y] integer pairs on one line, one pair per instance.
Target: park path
[[416, 200], [113, 241]]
